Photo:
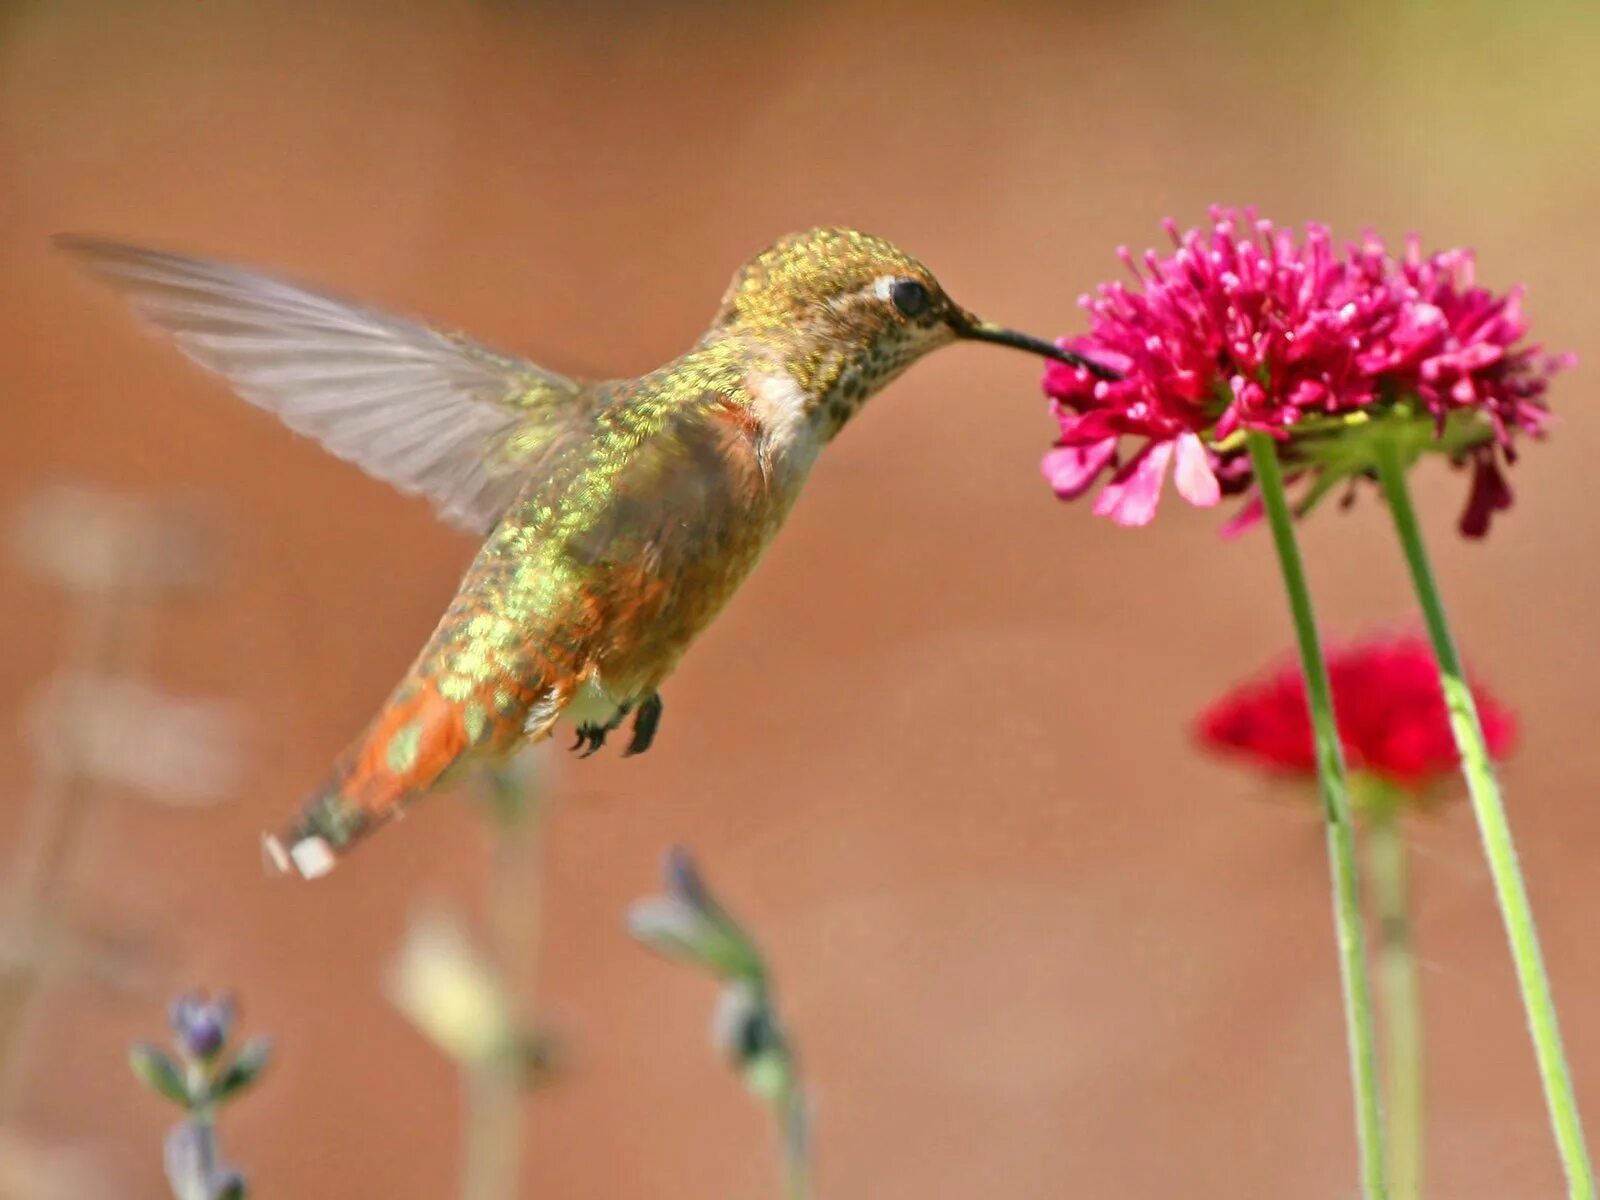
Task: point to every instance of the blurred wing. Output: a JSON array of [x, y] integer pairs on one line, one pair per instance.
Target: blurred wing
[[432, 414]]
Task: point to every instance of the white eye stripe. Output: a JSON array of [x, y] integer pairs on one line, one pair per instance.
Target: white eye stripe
[[883, 286]]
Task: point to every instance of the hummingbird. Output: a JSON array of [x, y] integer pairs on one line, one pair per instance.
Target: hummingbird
[[618, 516]]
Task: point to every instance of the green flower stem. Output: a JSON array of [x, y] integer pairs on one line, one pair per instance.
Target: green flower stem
[[774, 1076], [1354, 975], [1399, 993], [794, 1133], [1496, 832], [492, 1159], [208, 1158]]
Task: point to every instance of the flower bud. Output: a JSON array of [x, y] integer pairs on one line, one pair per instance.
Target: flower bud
[[201, 1026], [687, 924]]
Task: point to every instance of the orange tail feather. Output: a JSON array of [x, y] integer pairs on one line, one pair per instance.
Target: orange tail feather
[[404, 753]]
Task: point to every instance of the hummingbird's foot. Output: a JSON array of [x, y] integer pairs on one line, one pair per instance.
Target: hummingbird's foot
[[645, 722], [590, 738], [592, 734]]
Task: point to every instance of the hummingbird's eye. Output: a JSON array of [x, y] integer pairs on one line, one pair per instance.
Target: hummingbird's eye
[[910, 298]]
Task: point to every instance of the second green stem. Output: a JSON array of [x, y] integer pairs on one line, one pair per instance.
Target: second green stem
[[1355, 976], [1402, 1001], [1495, 830]]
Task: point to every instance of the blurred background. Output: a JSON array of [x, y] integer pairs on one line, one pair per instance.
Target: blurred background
[[937, 752]]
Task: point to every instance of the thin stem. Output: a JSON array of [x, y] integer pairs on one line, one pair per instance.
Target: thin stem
[[208, 1159], [492, 1154], [104, 639], [1495, 830], [1400, 994], [194, 1163], [794, 1132], [1353, 970]]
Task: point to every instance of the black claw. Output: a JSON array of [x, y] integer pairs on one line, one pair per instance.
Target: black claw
[[590, 738], [645, 722]]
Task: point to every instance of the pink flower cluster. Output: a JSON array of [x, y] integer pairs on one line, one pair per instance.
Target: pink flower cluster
[[1388, 705], [1243, 327]]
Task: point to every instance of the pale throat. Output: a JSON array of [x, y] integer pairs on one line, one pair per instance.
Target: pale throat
[[806, 401], [804, 390], [792, 427]]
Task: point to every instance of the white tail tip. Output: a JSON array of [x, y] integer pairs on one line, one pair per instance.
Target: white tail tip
[[311, 857]]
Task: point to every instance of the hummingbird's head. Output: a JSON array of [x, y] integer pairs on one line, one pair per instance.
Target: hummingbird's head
[[848, 312]]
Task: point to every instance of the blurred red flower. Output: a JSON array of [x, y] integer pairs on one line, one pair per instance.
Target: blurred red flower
[[1242, 327], [1388, 704]]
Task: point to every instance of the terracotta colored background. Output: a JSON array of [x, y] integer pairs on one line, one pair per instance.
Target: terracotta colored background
[[936, 752]]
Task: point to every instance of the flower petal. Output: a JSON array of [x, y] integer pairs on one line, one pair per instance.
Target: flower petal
[[1192, 473], [1072, 469], [1133, 493], [1490, 494], [1245, 519]]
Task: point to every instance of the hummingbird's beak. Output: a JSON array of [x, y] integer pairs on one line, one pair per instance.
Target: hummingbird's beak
[[968, 326]]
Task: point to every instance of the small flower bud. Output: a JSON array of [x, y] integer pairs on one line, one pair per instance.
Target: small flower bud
[[682, 878], [687, 924], [201, 1026]]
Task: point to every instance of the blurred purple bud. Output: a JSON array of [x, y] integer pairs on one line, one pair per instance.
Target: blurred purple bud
[[687, 924], [201, 1026], [682, 879], [668, 926]]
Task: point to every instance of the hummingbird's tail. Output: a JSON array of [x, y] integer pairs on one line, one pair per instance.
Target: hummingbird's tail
[[417, 738]]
